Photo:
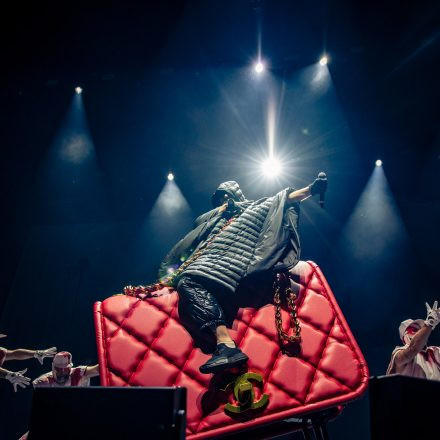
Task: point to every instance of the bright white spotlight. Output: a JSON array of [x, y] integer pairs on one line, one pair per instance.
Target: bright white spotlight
[[259, 67], [78, 90], [378, 163], [323, 60], [170, 176], [271, 167]]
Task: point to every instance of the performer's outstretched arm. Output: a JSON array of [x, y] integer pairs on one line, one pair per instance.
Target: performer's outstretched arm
[[92, 371], [416, 345], [16, 378], [3, 373], [319, 186], [299, 195], [21, 354], [420, 339]]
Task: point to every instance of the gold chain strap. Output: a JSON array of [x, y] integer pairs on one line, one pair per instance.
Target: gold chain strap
[[294, 322]]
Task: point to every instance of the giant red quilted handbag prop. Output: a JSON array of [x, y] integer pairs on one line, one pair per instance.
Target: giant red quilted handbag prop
[[142, 343]]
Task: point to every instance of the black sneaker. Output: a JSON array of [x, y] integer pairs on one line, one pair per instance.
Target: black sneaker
[[223, 358]]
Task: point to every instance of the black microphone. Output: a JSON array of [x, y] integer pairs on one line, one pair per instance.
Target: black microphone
[[231, 205], [322, 176]]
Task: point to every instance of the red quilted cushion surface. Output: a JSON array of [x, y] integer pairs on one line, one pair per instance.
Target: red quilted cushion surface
[[142, 343]]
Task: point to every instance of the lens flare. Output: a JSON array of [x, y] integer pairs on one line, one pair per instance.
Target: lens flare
[[259, 67], [271, 167]]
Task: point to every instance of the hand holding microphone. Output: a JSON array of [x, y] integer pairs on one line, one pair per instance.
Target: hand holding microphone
[[229, 208], [319, 186]]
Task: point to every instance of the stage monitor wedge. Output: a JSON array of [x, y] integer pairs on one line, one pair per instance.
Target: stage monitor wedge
[[404, 408], [108, 413]]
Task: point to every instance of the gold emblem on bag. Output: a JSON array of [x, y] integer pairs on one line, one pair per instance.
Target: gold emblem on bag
[[244, 394]]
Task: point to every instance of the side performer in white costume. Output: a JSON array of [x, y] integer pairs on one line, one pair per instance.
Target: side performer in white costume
[[415, 358]]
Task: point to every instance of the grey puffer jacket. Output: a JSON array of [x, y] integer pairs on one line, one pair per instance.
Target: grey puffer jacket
[[261, 237]]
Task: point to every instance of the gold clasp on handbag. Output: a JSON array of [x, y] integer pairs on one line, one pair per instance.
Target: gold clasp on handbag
[[244, 394]]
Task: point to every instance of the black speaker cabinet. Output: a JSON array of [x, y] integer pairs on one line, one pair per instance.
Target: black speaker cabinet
[[108, 413], [403, 407]]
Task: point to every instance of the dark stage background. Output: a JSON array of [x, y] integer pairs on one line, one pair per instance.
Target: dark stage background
[[167, 86]]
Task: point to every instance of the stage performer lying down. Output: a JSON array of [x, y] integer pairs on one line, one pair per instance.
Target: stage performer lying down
[[238, 242]]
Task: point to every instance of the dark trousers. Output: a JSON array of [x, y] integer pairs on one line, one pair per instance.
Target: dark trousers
[[198, 304]]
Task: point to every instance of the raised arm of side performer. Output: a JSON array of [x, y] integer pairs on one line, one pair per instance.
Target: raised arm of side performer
[[416, 338]]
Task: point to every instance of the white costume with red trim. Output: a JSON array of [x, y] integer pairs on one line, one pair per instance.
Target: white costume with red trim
[[76, 379], [425, 364]]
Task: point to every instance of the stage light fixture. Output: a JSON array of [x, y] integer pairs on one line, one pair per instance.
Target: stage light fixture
[[259, 67], [323, 60], [78, 90], [170, 176], [271, 167], [378, 163]]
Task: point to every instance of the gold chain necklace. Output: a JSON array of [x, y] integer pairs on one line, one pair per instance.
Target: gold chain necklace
[[143, 292], [146, 291]]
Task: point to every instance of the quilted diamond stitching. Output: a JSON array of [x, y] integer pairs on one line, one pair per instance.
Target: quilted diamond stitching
[[180, 371], [163, 356], [127, 316], [316, 369], [314, 277], [149, 349]]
